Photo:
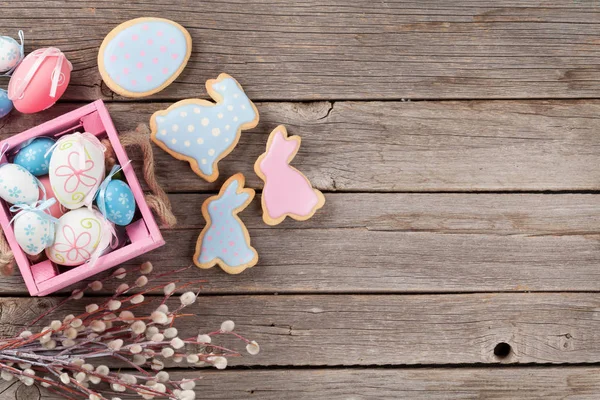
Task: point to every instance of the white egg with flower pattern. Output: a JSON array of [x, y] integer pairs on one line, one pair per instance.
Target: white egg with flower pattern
[[71, 179], [78, 234], [33, 232], [17, 185]]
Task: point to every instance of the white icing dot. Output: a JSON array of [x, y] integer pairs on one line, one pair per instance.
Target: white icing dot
[[235, 119], [220, 115], [227, 127], [243, 106], [196, 110], [226, 140], [187, 143], [173, 140], [200, 141], [235, 96], [205, 121], [163, 132], [230, 108], [216, 131], [203, 161], [211, 152], [175, 127], [183, 114], [191, 128]]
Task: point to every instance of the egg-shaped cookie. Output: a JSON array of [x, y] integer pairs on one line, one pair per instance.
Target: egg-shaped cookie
[[143, 56]]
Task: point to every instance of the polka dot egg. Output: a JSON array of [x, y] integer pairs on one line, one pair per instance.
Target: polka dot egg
[[143, 56], [33, 156], [6, 105], [117, 203]]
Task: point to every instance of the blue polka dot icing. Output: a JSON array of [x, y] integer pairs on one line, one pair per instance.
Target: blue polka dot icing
[[202, 132], [143, 56], [225, 240], [33, 156], [6, 105]]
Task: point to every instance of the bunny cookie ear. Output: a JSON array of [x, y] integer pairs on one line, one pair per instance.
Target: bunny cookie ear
[[280, 143], [235, 192]]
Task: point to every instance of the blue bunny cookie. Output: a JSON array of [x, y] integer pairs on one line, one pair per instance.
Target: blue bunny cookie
[[202, 132], [225, 240]]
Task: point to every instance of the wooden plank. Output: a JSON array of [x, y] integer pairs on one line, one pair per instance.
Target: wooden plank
[[395, 146], [394, 243], [526, 383], [361, 330], [290, 50]]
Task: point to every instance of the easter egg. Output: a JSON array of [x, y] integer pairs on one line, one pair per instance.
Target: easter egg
[[11, 52], [6, 105], [71, 179], [33, 156], [56, 210], [32, 87], [117, 203], [17, 185], [78, 233], [143, 56], [33, 232]]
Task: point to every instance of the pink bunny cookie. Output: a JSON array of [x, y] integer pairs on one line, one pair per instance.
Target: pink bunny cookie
[[287, 192], [225, 240]]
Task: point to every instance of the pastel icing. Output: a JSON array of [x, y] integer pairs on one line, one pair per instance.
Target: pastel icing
[[6, 104], [201, 132], [143, 56], [287, 192], [34, 156], [225, 240]]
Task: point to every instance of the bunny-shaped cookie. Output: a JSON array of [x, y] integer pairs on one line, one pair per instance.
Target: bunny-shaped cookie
[[202, 132], [287, 192], [225, 240]]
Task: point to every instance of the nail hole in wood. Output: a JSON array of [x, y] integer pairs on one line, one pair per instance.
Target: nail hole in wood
[[502, 350]]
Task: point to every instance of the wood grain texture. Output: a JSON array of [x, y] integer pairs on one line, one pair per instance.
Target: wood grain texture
[[384, 242], [395, 146], [349, 330], [524, 383], [290, 50]]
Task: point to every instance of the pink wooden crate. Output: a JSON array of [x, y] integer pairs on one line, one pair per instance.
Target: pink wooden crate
[[44, 278]]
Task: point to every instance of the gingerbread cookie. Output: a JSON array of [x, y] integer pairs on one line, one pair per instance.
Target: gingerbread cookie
[[287, 192], [225, 240], [143, 56], [202, 132]]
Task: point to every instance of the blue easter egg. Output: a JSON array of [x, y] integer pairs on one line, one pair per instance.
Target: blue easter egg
[[6, 105], [33, 157], [118, 203]]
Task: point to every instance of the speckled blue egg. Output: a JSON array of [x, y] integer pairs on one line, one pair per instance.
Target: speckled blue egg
[[33, 157], [6, 105], [118, 203]]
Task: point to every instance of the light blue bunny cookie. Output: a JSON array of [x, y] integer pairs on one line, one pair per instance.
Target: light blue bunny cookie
[[202, 132]]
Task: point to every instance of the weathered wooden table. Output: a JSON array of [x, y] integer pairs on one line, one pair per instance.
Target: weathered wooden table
[[458, 146]]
